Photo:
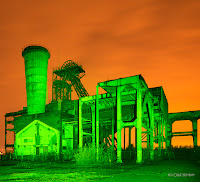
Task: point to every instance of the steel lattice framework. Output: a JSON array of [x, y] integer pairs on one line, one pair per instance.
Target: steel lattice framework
[[68, 75]]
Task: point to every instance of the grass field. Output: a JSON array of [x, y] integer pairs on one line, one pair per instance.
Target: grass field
[[185, 167], [67, 171]]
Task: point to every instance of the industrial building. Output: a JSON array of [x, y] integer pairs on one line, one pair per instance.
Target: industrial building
[[66, 124]]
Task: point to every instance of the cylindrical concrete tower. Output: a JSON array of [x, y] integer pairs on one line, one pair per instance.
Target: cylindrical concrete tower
[[36, 63]]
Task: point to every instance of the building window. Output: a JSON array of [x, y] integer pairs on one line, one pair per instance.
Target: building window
[[45, 149], [26, 140], [37, 150]]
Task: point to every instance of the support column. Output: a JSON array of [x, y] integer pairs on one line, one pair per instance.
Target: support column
[[148, 134], [159, 138], [97, 121], [124, 138], [93, 124], [52, 86], [130, 136], [63, 91], [124, 154], [194, 126], [166, 136], [60, 121], [15, 147], [119, 120], [151, 131], [80, 126], [149, 127], [130, 147], [113, 133], [168, 133], [135, 138], [139, 123], [5, 135], [162, 132]]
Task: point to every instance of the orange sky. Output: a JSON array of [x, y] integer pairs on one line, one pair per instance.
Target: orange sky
[[111, 39]]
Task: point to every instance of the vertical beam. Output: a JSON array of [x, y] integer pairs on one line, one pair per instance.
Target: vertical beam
[[162, 132], [152, 130], [56, 92], [80, 124], [130, 149], [97, 120], [70, 94], [135, 138], [113, 133], [58, 146], [164, 143], [15, 147], [124, 141], [168, 132], [60, 118], [170, 135], [60, 121], [14, 141], [5, 134], [159, 137], [156, 128], [124, 138], [93, 124], [47, 94], [139, 123], [130, 136], [119, 120], [62, 91], [194, 127], [166, 136], [148, 134], [52, 86], [148, 126]]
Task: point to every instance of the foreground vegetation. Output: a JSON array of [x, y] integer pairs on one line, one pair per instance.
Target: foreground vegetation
[[82, 165], [70, 171], [107, 156]]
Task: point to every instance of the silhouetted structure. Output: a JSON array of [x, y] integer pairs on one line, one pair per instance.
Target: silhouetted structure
[[65, 124]]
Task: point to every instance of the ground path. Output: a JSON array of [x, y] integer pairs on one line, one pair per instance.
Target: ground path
[[162, 171]]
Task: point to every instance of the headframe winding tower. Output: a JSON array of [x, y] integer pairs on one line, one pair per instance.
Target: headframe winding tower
[[66, 76]]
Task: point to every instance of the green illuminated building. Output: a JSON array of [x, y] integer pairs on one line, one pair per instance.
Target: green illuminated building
[[64, 124]]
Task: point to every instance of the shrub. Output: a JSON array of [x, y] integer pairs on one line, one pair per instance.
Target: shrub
[[146, 154], [107, 156], [23, 165], [68, 155], [88, 156], [85, 155]]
